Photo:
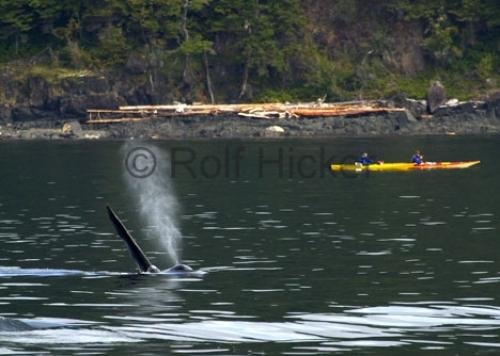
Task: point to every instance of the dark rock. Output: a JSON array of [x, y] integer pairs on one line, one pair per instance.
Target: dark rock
[[415, 107], [37, 89], [97, 84], [475, 108], [435, 96], [85, 85], [399, 100], [133, 92], [22, 114], [405, 51], [493, 108], [77, 106], [5, 114], [41, 114], [53, 103], [72, 85], [409, 116], [73, 106]]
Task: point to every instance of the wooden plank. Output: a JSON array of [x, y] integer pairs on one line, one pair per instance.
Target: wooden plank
[[254, 116], [113, 121], [107, 111]]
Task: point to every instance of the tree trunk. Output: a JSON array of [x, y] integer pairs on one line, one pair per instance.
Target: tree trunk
[[185, 31], [17, 43], [80, 31], [185, 11], [244, 83], [209, 81], [153, 73]]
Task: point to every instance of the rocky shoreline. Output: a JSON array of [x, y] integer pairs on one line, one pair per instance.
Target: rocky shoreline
[[451, 118], [34, 107]]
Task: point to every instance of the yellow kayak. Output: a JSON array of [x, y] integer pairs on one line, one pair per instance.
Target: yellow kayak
[[402, 166]]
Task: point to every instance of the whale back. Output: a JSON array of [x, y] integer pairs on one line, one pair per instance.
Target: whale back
[[180, 268]]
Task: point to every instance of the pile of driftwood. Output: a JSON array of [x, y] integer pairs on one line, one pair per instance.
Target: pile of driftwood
[[259, 111]]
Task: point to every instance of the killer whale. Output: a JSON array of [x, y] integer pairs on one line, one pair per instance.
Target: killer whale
[[136, 252]]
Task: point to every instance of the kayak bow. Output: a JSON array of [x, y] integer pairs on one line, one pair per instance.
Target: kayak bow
[[402, 166]]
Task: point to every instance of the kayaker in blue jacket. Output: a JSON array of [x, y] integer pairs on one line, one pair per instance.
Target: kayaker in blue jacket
[[417, 158], [364, 160]]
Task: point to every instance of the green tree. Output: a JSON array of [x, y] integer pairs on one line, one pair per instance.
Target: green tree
[[16, 18], [257, 35], [195, 45]]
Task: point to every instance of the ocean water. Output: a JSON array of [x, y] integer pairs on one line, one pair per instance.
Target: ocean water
[[297, 261]]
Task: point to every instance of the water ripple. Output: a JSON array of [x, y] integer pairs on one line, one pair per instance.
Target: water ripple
[[384, 326]]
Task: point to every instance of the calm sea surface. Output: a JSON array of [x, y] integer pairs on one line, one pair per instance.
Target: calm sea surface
[[297, 261]]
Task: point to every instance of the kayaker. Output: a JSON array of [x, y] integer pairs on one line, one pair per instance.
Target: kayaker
[[364, 160], [417, 158]]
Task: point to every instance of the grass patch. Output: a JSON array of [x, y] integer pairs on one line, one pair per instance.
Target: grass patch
[[51, 74], [56, 74], [457, 85], [415, 88]]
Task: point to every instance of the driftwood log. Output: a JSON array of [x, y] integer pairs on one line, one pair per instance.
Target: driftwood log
[[257, 111]]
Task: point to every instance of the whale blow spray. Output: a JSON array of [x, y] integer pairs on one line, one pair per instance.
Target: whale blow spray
[[147, 175]]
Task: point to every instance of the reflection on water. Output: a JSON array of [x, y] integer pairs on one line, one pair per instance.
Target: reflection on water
[[398, 262], [433, 326]]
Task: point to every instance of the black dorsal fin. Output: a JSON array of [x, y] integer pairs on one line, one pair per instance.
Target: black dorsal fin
[[135, 250]]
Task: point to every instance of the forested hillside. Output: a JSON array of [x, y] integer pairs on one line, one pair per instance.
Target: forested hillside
[[252, 50]]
